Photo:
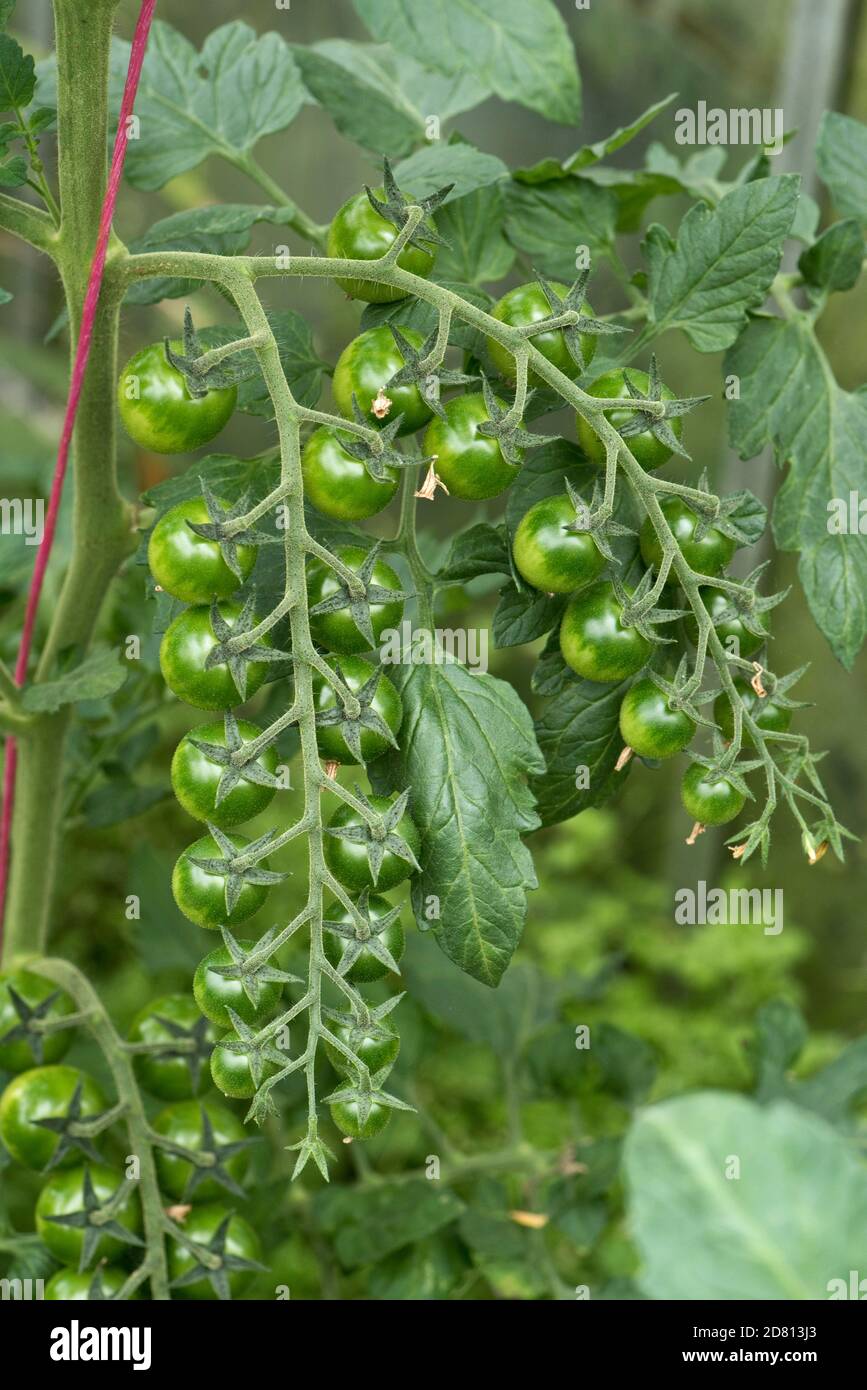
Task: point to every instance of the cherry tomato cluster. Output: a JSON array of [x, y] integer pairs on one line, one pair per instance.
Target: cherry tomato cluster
[[55, 1120]]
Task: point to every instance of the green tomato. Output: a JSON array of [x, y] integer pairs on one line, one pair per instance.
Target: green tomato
[[377, 1045], [525, 305], [358, 233], [346, 1117], [386, 706], [230, 1071], [201, 1225], [70, 1286], [215, 994], [196, 778], [364, 369], [187, 643], [709, 798], [470, 464], [594, 641], [771, 717], [186, 565], [339, 485], [338, 631], [366, 968], [645, 448], [168, 1075], [201, 894], [65, 1194], [709, 555], [736, 638], [550, 556], [157, 410], [44, 1094], [19, 1049], [349, 860], [649, 727], [184, 1124]]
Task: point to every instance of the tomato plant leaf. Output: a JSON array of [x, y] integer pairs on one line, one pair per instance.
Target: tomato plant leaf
[[579, 736], [482, 549], [834, 262], [301, 363], [841, 158], [790, 1225], [723, 263], [477, 249], [523, 615], [367, 1225], [222, 229], [414, 313], [519, 48], [789, 398], [551, 221], [430, 169], [101, 673], [467, 747], [591, 154], [17, 75]]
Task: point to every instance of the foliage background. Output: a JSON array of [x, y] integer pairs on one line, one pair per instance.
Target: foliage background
[[600, 931]]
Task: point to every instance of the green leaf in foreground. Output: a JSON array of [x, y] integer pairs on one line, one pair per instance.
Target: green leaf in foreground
[[835, 261], [783, 1224], [789, 398], [724, 262], [467, 748], [100, 674], [519, 48], [579, 736]]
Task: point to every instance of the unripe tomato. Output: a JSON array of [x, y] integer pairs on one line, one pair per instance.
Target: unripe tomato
[[338, 631], [470, 464], [187, 643], [649, 727], [184, 1124], [358, 233], [345, 1114], [69, 1285], [710, 555], [215, 994], [366, 968], [709, 798], [736, 638], [196, 777], [349, 861], [64, 1194], [528, 304], [364, 369], [44, 1094], [230, 1071], [157, 410], [339, 485], [550, 556], [645, 448], [386, 704], [201, 894], [769, 716], [376, 1046], [167, 1075], [188, 566], [201, 1225], [17, 1053], [594, 641]]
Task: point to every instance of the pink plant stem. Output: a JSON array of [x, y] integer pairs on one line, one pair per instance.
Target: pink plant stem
[[79, 367]]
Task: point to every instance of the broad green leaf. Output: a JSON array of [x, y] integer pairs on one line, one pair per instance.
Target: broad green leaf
[[6, 9], [13, 169], [241, 87], [415, 313], [220, 229], [301, 363], [477, 250], [835, 261], [789, 1223], [579, 736], [519, 48], [724, 262], [750, 517], [592, 154], [523, 615], [780, 1036], [554, 221], [100, 674], [379, 98], [789, 398], [120, 800], [634, 191], [841, 158], [467, 747], [430, 169], [429, 1270], [227, 476], [628, 1063], [482, 549], [367, 1224], [17, 75]]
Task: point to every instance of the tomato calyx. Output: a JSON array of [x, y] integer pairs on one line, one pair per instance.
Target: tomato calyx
[[591, 519], [363, 933], [199, 381], [504, 425], [354, 711], [364, 1026], [656, 421], [360, 596], [95, 1219], [419, 371], [218, 529], [378, 836], [566, 316], [262, 1057], [75, 1131], [35, 1021], [311, 1146], [209, 1159], [212, 1261], [231, 649], [243, 768], [234, 866], [639, 610], [251, 967], [376, 452], [395, 208]]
